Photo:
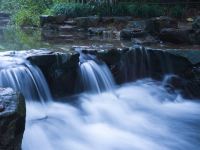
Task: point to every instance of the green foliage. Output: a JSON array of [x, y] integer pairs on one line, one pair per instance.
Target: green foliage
[[26, 18], [27, 12], [72, 9]]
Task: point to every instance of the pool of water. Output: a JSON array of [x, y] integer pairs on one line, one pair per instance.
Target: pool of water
[[14, 38]]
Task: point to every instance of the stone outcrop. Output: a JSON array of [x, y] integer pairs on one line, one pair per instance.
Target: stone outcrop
[[12, 119]]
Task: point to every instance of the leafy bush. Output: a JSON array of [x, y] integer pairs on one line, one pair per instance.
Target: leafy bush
[[26, 17], [72, 9]]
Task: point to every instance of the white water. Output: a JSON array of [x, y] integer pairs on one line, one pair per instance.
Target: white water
[[20, 75], [137, 116], [95, 77]]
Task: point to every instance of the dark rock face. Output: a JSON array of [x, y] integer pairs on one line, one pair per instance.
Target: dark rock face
[[59, 69], [12, 119]]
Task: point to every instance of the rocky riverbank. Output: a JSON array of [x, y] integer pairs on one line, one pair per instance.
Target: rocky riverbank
[[146, 31]]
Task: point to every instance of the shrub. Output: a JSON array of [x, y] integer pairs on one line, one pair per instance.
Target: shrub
[[26, 17], [72, 9]]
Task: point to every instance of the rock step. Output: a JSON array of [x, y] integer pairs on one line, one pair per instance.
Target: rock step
[[4, 22], [2, 14], [70, 22], [67, 28]]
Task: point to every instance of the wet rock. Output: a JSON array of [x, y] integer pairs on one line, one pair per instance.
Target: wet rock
[[85, 22], [110, 56], [96, 31], [176, 36], [155, 25], [132, 33], [147, 40], [46, 19], [67, 28], [12, 119], [59, 68], [110, 20], [137, 24], [4, 14]]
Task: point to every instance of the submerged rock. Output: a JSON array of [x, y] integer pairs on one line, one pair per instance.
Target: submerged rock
[[12, 119]]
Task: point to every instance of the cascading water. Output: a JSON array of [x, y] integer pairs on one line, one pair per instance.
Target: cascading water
[[22, 76], [96, 77]]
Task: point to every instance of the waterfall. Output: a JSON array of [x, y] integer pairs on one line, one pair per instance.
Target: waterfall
[[96, 77], [25, 78]]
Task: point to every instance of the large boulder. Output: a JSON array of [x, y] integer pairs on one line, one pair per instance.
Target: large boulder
[[12, 119]]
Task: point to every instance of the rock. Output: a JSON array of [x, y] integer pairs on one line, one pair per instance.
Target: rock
[[67, 28], [110, 20], [147, 40], [59, 68], [155, 25], [110, 56], [4, 14], [46, 19], [137, 24], [12, 119], [132, 33], [85, 22], [176, 36], [96, 31]]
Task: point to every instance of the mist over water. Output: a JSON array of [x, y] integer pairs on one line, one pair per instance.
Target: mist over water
[[135, 116]]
